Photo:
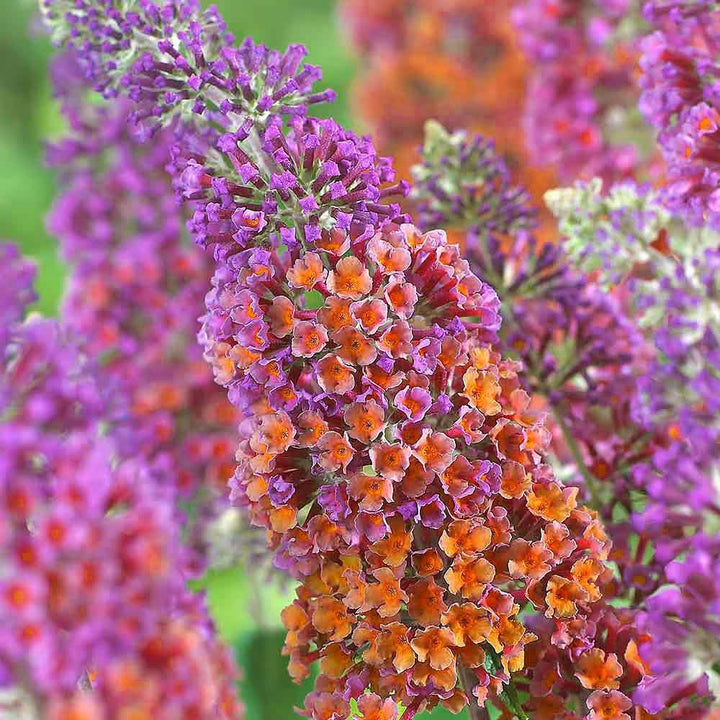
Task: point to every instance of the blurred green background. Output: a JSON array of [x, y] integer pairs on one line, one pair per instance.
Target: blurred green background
[[246, 610]]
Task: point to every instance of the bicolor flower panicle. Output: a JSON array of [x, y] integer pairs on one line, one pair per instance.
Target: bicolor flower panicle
[[395, 460]]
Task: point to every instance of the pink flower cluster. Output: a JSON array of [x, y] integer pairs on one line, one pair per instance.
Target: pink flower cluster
[[92, 594], [134, 294]]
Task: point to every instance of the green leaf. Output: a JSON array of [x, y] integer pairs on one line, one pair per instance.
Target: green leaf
[[266, 689]]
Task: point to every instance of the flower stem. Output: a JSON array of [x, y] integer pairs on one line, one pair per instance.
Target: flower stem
[[475, 711], [576, 453]]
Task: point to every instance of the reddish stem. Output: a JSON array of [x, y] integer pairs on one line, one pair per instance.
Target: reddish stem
[[468, 682]]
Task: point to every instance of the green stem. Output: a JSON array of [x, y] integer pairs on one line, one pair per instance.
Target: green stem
[[576, 452]]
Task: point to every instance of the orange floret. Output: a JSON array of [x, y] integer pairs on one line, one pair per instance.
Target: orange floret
[[385, 596], [371, 491], [275, 433], [597, 670], [427, 562], [468, 622], [556, 537], [434, 645], [481, 389], [335, 241], [382, 378], [396, 341], [464, 536], [585, 572], [416, 479], [609, 705], [308, 339], [306, 272], [529, 560], [355, 348], [423, 673], [394, 646], [312, 427], [390, 460], [402, 297], [335, 451], [295, 620], [334, 376], [458, 476], [335, 661], [374, 707], [370, 313], [335, 313], [330, 617], [515, 481], [365, 420], [426, 603], [395, 546], [469, 576], [434, 450], [350, 279], [389, 644], [389, 259], [562, 596], [551, 502], [355, 596]]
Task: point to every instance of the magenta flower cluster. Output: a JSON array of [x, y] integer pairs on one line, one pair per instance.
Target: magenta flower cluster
[[92, 591]]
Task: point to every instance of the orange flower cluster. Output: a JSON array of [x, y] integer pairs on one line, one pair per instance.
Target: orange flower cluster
[[457, 62], [397, 464], [589, 669]]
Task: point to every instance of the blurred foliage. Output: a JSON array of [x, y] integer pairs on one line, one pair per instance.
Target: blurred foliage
[[28, 115], [246, 609]]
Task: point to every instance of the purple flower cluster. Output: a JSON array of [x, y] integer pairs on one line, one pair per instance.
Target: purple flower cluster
[[580, 86], [292, 185], [174, 58], [91, 595], [680, 98], [463, 178]]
